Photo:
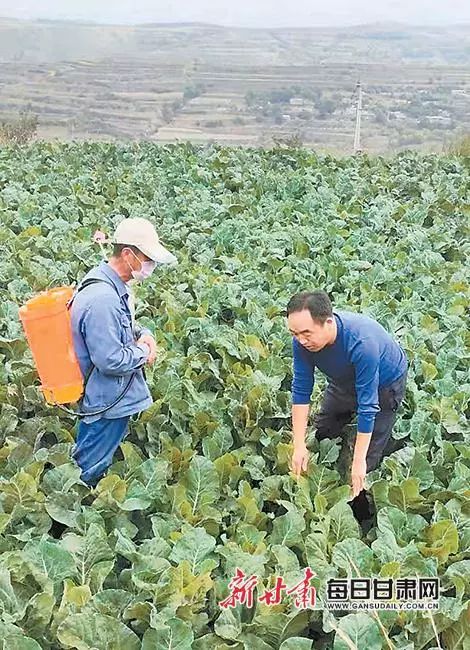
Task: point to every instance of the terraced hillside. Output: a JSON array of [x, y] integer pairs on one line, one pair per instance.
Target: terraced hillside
[[202, 82]]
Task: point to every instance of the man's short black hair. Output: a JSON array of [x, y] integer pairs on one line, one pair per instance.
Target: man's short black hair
[[118, 248], [317, 302]]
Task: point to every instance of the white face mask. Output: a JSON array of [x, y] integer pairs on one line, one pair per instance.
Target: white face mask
[[146, 269]]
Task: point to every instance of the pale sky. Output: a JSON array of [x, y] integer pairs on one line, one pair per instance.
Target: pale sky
[[245, 13]]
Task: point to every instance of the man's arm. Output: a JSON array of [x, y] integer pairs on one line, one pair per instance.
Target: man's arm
[[101, 329], [366, 360], [359, 463], [303, 374], [302, 386], [299, 461], [300, 413], [139, 332]]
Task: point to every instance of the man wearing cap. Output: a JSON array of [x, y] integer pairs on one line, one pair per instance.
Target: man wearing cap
[[111, 349]]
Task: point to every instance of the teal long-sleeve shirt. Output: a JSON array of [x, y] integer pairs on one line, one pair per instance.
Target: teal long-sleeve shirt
[[364, 354]]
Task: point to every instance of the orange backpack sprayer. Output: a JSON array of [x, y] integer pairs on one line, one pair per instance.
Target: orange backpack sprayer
[[47, 325], [46, 322]]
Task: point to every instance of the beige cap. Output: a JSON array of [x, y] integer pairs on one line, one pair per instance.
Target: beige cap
[[141, 233]]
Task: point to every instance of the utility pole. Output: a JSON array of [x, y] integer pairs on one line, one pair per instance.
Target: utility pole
[[357, 134]]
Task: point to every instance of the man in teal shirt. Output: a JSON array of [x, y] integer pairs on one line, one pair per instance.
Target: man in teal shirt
[[366, 370]]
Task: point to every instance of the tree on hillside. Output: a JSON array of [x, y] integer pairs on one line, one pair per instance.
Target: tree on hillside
[[20, 130], [325, 107]]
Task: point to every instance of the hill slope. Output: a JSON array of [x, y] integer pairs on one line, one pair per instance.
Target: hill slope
[[203, 82]]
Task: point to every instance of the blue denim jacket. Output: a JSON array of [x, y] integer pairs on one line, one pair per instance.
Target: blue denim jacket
[[103, 334]]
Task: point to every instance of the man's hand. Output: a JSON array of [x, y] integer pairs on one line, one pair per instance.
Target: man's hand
[[150, 341], [358, 475], [299, 459]]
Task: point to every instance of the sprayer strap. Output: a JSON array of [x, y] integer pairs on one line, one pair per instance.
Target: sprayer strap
[[84, 284]]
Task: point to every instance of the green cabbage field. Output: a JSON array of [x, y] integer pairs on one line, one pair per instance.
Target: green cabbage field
[[202, 486]]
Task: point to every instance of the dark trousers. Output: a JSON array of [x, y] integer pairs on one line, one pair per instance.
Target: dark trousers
[[337, 410], [340, 404]]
